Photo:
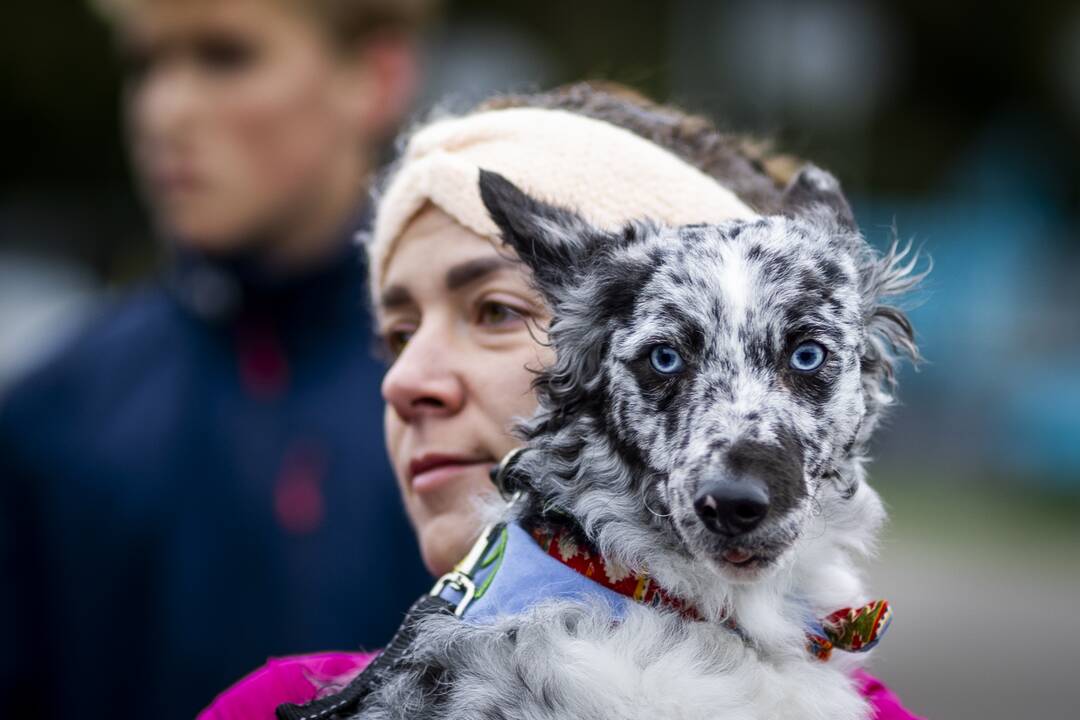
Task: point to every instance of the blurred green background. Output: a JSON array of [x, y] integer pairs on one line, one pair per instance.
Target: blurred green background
[[959, 123]]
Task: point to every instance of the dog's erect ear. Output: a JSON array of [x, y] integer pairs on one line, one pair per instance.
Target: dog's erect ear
[[551, 240], [813, 190], [890, 335]]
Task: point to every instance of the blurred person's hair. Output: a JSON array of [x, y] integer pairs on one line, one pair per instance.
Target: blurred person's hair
[[345, 21], [748, 166]]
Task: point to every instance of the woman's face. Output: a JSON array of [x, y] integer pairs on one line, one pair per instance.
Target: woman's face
[[460, 321], [243, 119]]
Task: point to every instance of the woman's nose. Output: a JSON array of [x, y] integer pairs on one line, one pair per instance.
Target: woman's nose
[[164, 104], [423, 381]]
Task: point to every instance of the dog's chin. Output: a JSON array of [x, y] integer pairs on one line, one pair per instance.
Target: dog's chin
[[745, 572], [744, 565], [739, 560]]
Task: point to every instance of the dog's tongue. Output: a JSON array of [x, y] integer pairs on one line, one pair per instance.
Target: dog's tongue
[[737, 556]]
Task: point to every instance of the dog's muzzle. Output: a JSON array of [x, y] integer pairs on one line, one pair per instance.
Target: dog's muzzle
[[753, 481]]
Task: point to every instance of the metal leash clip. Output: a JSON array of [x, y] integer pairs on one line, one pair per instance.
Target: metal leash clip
[[461, 578], [460, 582]]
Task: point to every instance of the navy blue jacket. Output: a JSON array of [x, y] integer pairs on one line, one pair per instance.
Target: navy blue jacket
[[196, 483]]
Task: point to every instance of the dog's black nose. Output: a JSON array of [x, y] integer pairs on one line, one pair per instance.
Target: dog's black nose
[[732, 507]]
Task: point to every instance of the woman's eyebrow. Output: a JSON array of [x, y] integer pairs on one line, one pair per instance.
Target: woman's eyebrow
[[395, 296], [472, 270]]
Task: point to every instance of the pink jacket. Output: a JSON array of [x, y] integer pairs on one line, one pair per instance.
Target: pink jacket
[[298, 679]]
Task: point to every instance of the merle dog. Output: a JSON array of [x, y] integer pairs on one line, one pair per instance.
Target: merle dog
[[703, 427]]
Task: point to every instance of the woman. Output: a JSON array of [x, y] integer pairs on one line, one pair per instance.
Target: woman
[[461, 324]]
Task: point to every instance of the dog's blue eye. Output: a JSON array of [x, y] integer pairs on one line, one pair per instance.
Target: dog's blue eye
[[665, 359], [808, 356]]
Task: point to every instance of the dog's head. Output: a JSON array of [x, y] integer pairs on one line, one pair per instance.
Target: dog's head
[[715, 384]]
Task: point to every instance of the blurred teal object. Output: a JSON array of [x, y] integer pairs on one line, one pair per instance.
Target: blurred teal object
[[1000, 393]]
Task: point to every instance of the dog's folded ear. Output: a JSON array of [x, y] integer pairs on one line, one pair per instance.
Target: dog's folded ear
[[816, 192], [553, 241]]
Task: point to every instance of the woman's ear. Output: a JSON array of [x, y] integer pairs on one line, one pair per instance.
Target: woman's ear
[[553, 241], [382, 78]]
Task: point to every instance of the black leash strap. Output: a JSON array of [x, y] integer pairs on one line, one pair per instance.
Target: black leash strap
[[349, 700]]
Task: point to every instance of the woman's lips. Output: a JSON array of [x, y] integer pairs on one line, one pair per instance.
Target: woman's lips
[[432, 471], [177, 184], [170, 177]]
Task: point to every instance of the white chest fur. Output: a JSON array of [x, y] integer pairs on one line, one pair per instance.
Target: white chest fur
[[563, 660]]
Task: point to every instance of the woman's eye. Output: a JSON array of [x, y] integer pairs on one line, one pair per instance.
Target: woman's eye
[[396, 340], [808, 356], [135, 64], [224, 54], [666, 360], [497, 313]]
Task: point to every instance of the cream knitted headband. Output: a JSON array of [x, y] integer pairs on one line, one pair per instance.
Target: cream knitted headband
[[608, 175]]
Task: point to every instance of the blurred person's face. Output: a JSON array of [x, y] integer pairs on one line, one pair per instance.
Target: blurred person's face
[[251, 130], [459, 320]]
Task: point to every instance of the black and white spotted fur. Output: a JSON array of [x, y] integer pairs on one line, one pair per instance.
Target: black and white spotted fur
[[623, 450]]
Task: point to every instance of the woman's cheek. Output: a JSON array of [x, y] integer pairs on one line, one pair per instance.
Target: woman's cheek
[[280, 141], [277, 125], [447, 532], [518, 392], [444, 541]]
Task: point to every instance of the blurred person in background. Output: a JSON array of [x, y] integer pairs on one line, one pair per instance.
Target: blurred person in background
[[197, 481], [463, 326]]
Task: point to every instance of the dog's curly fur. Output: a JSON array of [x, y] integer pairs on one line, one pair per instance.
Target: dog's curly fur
[[623, 449]]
